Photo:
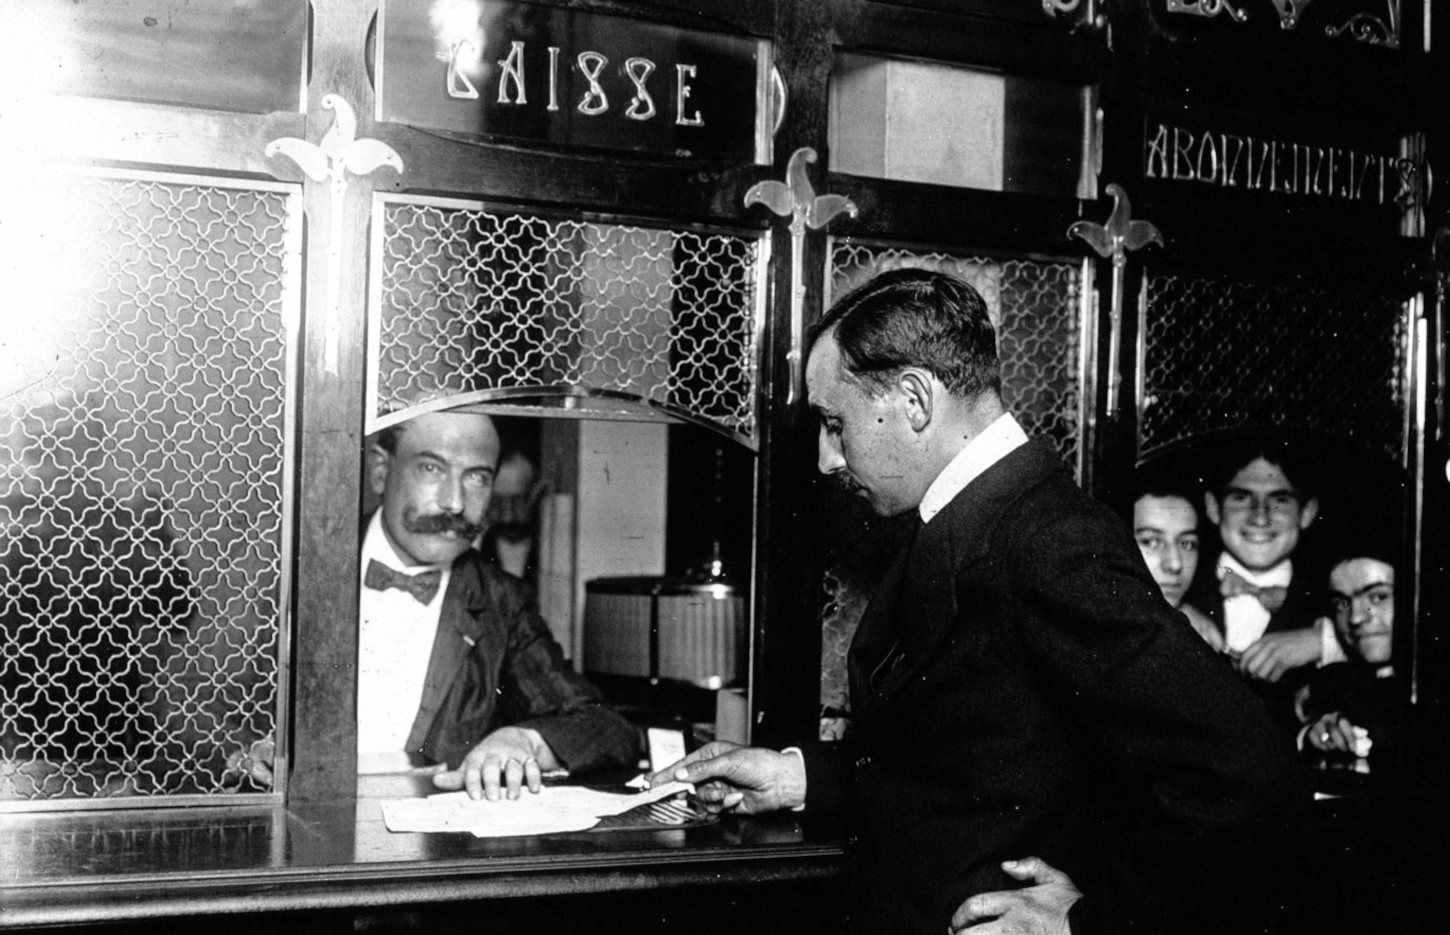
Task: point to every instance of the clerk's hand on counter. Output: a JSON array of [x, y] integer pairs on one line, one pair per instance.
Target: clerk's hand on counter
[[748, 780], [508, 759], [1040, 909]]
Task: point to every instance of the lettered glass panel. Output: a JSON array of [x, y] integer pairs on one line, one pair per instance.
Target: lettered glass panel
[[247, 56], [567, 76], [1221, 353], [146, 422], [917, 121], [479, 301]]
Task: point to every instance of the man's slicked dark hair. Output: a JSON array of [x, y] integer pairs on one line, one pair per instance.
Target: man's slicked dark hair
[[915, 318]]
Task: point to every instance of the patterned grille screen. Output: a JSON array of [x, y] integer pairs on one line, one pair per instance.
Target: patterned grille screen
[[1035, 306], [477, 299], [1222, 353], [145, 429]]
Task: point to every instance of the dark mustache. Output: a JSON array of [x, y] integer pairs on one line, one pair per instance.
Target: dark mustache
[[845, 483], [435, 523]]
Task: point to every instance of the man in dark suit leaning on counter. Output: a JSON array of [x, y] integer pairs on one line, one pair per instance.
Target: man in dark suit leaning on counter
[[455, 665], [1039, 743]]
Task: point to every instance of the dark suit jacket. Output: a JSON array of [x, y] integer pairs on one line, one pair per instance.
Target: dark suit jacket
[[1020, 688], [495, 664]]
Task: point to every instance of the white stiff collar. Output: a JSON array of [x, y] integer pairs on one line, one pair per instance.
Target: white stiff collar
[[993, 444]]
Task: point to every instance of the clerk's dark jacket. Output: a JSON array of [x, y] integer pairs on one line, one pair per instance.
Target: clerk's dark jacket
[[1020, 688], [495, 664]]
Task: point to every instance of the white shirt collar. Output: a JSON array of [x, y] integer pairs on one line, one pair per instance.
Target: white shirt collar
[[994, 443], [1277, 577]]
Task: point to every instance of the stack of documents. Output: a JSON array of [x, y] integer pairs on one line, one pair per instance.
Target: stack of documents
[[553, 809]]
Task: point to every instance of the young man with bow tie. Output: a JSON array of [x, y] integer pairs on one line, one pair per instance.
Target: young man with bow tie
[[1264, 605], [455, 665]]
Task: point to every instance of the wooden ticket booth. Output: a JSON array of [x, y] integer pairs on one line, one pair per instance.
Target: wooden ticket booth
[[241, 237]]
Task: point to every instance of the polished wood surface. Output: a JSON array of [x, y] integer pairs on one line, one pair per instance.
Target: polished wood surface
[[89, 867]]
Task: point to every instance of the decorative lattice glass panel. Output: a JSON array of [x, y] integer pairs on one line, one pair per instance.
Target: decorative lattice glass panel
[[1221, 353], [145, 429], [1036, 308], [476, 299]]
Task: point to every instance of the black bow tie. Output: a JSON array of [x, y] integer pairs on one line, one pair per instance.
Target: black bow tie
[[423, 586], [1271, 596]]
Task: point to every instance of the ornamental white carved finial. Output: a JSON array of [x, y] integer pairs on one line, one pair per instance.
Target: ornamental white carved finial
[[1121, 234], [340, 153], [1208, 8], [1114, 240], [1054, 7], [796, 199], [1289, 11]]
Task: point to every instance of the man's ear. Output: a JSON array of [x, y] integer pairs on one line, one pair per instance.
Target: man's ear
[[916, 392], [1309, 513], [1210, 507], [378, 462]]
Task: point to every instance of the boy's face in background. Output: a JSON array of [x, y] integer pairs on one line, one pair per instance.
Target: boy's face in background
[[1260, 515], [1166, 529], [1362, 595]]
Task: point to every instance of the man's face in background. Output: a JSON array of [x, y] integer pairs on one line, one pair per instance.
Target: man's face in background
[[1260, 515], [1166, 529], [1362, 597]]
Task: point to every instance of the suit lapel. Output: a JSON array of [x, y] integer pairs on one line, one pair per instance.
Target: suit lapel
[[459, 630], [874, 648], [926, 607]]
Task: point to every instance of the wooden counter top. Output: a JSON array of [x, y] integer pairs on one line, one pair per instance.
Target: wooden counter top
[[88, 867]]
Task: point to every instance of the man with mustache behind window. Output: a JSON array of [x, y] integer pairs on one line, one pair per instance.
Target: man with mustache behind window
[[455, 665]]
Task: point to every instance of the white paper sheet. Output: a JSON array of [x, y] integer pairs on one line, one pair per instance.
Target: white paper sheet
[[553, 809]]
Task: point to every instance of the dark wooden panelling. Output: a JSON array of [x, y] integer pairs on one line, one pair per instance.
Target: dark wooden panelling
[[324, 736]]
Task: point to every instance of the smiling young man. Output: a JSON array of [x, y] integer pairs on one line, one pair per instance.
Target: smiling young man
[[1349, 709], [455, 665], [1264, 607], [1038, 743]]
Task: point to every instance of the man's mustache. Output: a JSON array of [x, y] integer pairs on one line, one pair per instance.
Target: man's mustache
[[431, 524], [845, 482]]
